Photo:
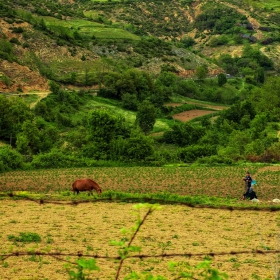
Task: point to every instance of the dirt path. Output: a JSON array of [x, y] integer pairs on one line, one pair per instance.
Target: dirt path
[[41, 95]]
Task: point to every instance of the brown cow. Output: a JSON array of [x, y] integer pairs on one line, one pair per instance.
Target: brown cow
[[82, 185]]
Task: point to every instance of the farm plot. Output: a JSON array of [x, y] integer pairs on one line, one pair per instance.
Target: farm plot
[[89, 229], [192, 114], [220, 181], [189, 115]]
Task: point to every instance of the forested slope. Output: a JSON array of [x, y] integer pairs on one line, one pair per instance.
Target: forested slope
[[138, 56]]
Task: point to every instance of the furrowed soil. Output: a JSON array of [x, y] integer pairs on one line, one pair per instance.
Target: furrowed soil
[[89, 228], [219, 181]]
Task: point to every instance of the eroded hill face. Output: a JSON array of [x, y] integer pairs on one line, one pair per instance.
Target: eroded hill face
[[33, 51], [43, 50]]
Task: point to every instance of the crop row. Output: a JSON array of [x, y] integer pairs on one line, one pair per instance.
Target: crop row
[[222, 181]]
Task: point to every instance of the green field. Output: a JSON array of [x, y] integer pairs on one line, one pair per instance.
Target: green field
[[224, 182], [267, 5], [89, 28]]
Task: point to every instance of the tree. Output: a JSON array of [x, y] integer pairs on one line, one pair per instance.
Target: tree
[[146, 116], [10, 159], [201, 72], [101, 126], [137, 148], [28, 141], [267, 98], [188, 42], [222, 79], [13, 112], [259, 75], [184, 134]]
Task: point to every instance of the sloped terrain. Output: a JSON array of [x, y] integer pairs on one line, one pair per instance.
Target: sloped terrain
[[75, 42]]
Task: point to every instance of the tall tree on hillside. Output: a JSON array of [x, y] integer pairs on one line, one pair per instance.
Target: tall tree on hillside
[[146, 116], [222, 79], [201, 72], [13, 112], [267, 98]]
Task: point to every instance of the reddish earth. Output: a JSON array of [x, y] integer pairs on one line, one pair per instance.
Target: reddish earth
[[189, 115]]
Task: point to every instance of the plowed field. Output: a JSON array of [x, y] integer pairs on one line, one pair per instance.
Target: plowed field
[[230, 238], [175, 230]]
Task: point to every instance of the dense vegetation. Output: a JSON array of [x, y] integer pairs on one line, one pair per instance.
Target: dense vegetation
[[136, 55], [61, 132]]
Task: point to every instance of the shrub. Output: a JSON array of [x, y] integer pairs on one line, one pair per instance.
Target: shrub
[[10, 159], [56, 159], [193, 152], [15, 41], [25, 237], [215, 159]]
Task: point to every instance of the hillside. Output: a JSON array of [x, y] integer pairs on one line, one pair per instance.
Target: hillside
[[78, 42]]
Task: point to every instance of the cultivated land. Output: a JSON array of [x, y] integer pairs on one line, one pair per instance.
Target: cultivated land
[[219, 181], [88, 227]]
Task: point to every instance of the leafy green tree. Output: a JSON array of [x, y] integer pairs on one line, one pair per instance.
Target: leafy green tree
[[259, 75], [222, 79], [13, 112], [237, 111], [188, 42], [136, 148], [267, 98], [49, 136], [201, 72], [254, 148], [184, 134], [10, 159], [257, 56], [131, 81], [146, 116], [238, 140], [102, 129], [167, 79], [258, 125], [6, 50], [103, 126], [187, 88], [118, 85], [28, 141], [129, 101], [77, 137], [54, 87], [42, 24]]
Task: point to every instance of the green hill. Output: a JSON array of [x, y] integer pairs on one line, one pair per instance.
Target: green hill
[[78, 42], [138, 82]]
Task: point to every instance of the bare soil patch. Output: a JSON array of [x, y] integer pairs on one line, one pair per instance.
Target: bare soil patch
[[189, 115], [89, 228], [216, 107]]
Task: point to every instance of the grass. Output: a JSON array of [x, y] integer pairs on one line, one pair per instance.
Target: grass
[[114, 107], [269, 5], [30, 98], [89, 28]]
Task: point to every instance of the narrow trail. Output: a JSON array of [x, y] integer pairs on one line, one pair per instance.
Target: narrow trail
[[41, 96]]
